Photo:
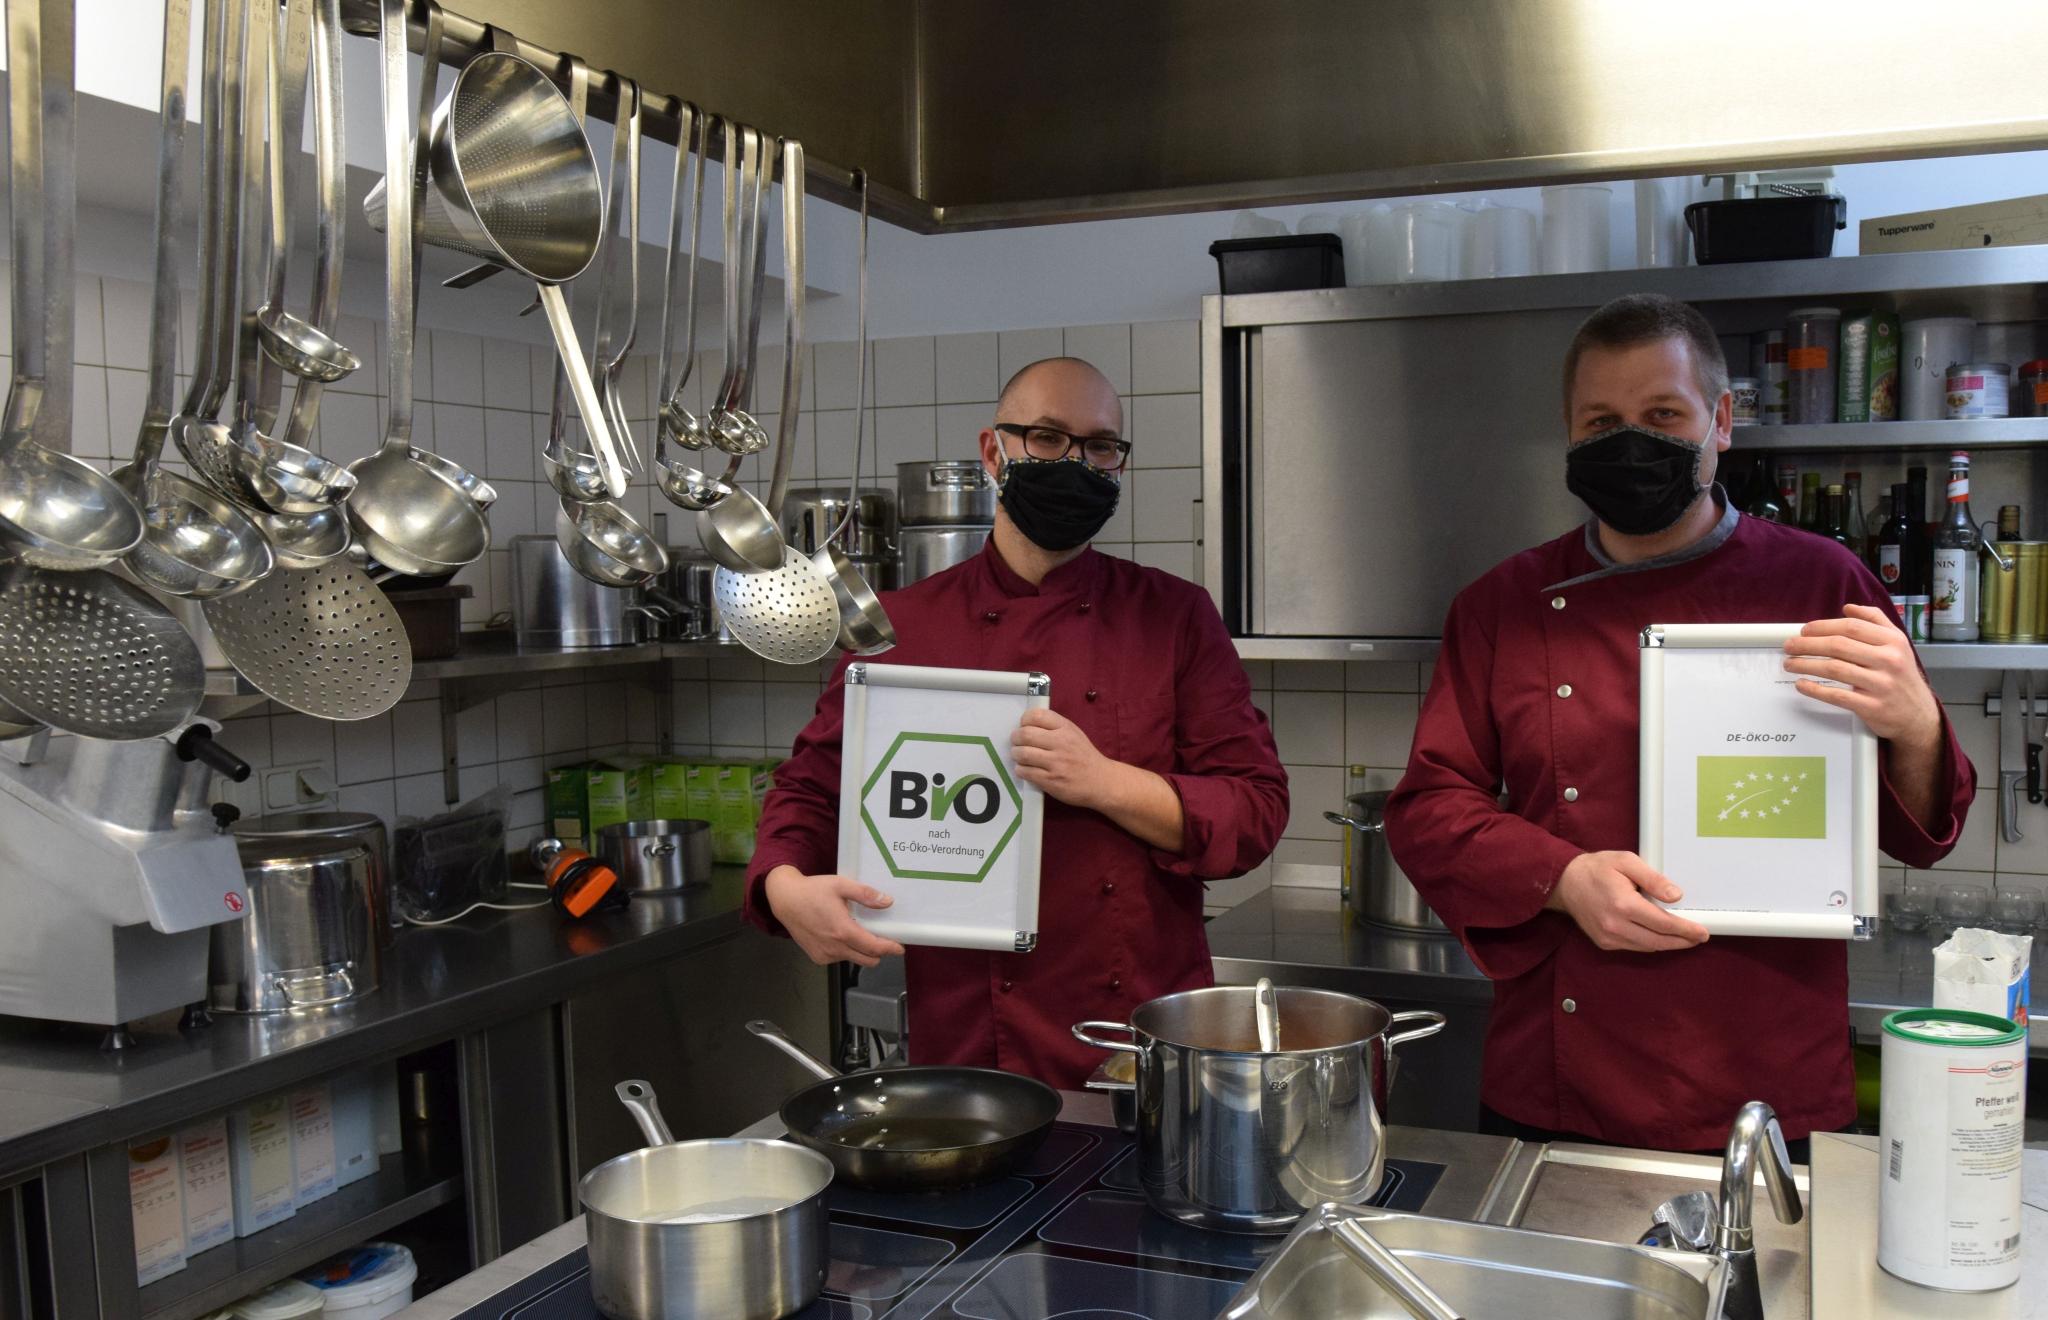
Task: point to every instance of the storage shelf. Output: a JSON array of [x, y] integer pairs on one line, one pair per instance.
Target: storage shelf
[[1985, 433], [486, 653], [1934, 655], [355, 1214]]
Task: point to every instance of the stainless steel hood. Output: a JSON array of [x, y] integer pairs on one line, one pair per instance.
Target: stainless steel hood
[[985, 113]]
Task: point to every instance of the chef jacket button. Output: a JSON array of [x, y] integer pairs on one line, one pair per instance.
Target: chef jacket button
[[1557, 602], [1570, 1006], [1109, 886], [1116, 983], [1564, 689], [1092, 694], [1087, 605], [992, 616], [1007, 986], [1571, 795]]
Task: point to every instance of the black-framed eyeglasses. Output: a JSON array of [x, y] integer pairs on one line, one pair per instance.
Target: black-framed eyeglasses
[[1102, 452]]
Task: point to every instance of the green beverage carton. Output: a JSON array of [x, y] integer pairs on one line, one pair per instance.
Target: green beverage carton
[[700, 795], [568, 811], [1867, 387], [732, 829], [665, 790], [609, 795]]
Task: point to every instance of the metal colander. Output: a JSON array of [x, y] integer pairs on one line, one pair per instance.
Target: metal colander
[[94, 655], [324, 641], [514, 180], [790, 616]]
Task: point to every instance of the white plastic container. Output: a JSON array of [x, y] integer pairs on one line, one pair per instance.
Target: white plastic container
[[1426, 241], [371, 1282], [1661, 238], [287, 1299], [1576, 228], [1950, 1127], [1928, 347], [1499, 241]]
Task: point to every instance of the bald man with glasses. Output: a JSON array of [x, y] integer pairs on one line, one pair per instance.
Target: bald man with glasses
[[1159, 772]]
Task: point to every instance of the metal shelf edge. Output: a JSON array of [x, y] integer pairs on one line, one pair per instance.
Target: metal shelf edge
[[1982, 433]]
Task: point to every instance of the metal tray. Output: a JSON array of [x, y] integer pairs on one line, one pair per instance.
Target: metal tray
[[1484, 1272]]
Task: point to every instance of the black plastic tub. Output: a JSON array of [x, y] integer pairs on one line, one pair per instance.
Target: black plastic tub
[[1765, 228], [1280, 264]]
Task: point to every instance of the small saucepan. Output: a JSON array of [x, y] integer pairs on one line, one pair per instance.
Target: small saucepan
[[916, 1129], [732, 1228]]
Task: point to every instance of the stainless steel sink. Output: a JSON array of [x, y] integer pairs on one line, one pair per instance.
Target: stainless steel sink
[[1608, 1194], [1484, 1271]]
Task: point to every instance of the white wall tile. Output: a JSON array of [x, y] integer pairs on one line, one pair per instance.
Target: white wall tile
[[905, 435], [1312, 790], [1977, 849], [127, 397], [1107, 348], [1175, 557], [565, 720], [966, 366], [789, 707], [88, 333], [1380, 676], [690, 703], [1164, 503], [349, 426], [607, 712], [416, 737], [125, 304], [512, 444], [1166, 357], [835, 442], [960, 426], [1018, 349], [1979, 738], [1379, 727], [459, 435], [838, 376], [362, 749], [2027, 857], [375, 798], [738, 713], [476, 734], [905, 371], [90, 435], [508, 374], [419, 797], [1309, 727], [1166, 431], [458, 368]]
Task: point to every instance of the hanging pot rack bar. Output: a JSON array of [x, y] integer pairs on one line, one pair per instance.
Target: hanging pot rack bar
[[463, 37]]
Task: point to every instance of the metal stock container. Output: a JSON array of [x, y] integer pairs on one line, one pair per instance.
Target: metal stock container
[[951, 491], [1244, 1141], [2014, 599], [1374, 885], [929, 550], [313, 935], [554, 607]]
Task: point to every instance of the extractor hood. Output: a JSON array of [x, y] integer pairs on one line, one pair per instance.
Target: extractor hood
[[983, 113]]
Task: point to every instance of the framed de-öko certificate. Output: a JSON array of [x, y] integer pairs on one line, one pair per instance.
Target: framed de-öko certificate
[[1758, 802], [932, 811]]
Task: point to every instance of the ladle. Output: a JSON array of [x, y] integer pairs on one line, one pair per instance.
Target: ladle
[[674, 417], [605, 544], [625, 195], [195, 541], [684, 484], [1266, 1012], [405, 513], [574, 474], [56, 512], [731, 427]]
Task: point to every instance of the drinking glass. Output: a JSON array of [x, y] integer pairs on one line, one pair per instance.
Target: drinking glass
[[1961, 903], [2015, 908], [1912, 905]]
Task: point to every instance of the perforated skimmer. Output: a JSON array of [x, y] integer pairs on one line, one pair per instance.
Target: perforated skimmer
[[790, 616], [94, 655], [324, 641]]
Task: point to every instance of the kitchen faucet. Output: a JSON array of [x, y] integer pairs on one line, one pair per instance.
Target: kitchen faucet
[[1681, 1222]]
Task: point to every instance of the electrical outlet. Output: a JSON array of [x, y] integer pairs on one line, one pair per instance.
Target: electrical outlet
[[297, 787], [246, 796]]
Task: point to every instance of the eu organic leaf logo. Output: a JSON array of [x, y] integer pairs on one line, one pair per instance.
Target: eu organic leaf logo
[[1763, 797]]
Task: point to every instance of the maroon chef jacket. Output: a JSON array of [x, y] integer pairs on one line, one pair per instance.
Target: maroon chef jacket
[[1141, 661], [1536, 689]]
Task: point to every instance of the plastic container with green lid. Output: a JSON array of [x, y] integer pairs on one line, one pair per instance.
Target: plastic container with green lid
[[1953, 1026]]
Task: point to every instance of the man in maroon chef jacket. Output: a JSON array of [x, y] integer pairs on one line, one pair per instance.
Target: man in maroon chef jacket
[[1613, 1018], [1158, 771]]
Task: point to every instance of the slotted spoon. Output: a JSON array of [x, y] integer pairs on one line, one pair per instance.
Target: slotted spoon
[[324, 641], [94, 655]]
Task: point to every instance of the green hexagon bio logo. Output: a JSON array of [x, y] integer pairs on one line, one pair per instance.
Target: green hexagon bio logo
[[940, 806]]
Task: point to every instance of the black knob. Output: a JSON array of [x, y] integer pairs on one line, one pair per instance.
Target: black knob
[[197, 744], [225, 814]]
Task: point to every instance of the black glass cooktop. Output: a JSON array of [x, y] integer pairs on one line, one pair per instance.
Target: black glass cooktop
[[1068, 1235]]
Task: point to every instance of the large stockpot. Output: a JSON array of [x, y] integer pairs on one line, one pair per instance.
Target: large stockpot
[[949, 491], [312, 937], [556, 608], [924, 551], [1235, 1139], [726, 1227], [809, 513], [1374, 884]]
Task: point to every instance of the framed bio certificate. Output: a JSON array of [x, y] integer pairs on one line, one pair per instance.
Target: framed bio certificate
[[1758, 801]]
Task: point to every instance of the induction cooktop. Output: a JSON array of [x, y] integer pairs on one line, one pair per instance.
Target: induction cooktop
[[1067, 1235]]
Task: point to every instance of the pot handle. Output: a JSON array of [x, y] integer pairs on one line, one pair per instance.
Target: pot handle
[[1434, 1023], [1339, 818], [658, 850], [775, 1036], [1081, 1030], [638, 1098], [294, 988]]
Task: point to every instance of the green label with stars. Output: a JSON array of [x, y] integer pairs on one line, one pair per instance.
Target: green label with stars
[[1763, 797]]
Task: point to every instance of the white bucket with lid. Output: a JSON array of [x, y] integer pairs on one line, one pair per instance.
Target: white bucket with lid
[[369, 1283], [1951, 1123], [288, 1299]]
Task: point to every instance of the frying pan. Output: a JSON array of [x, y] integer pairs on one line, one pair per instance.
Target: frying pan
[[915, 1129]]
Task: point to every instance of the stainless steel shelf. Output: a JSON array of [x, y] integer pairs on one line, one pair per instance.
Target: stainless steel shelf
[[396, 1193], [487, 653], [1983, 655], [1991, 433], [1337, 648]]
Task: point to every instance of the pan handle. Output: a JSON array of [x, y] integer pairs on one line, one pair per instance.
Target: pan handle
[[1363, 827], [638, 1097], [1434, 1022], [1081, 1030], [779, 1038]]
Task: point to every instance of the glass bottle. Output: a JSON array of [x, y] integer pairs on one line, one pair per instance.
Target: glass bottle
[[1833, 523], [1954, 587], [1880, 517], [1894, 563], [2008, 522], [1763, 495], [1809, 501], [1921, 547], [1852, 514], [1788, 493]]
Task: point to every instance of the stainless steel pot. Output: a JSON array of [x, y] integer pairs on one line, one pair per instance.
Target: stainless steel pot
[[1244, 1141], [728, 1228], [950, 491], [312, 937], [1374, 885], [657, 856], [927, 550], [554, 607], [809, 513], [692, 576]]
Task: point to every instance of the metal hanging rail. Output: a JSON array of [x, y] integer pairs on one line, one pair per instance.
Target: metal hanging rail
[[463, 37]]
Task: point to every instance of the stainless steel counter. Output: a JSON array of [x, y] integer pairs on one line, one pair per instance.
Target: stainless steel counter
[[1847, 1283], [60, 1094], [1307, 936]]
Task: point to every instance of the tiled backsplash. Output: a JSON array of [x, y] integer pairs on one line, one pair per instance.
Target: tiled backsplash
[[484, 402]]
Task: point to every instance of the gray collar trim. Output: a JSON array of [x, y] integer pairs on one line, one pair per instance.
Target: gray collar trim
[[1706, 545]]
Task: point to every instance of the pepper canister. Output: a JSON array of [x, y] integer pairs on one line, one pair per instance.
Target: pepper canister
[[2014, 592]]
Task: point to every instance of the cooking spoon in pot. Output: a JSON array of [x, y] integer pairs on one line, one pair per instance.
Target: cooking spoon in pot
[[1266, 1007]]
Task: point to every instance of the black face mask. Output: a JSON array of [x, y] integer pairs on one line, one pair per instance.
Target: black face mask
[[1638, 482], [1057, 505]]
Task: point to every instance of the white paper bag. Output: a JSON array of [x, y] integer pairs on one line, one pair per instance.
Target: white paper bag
[[1985, 972]]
